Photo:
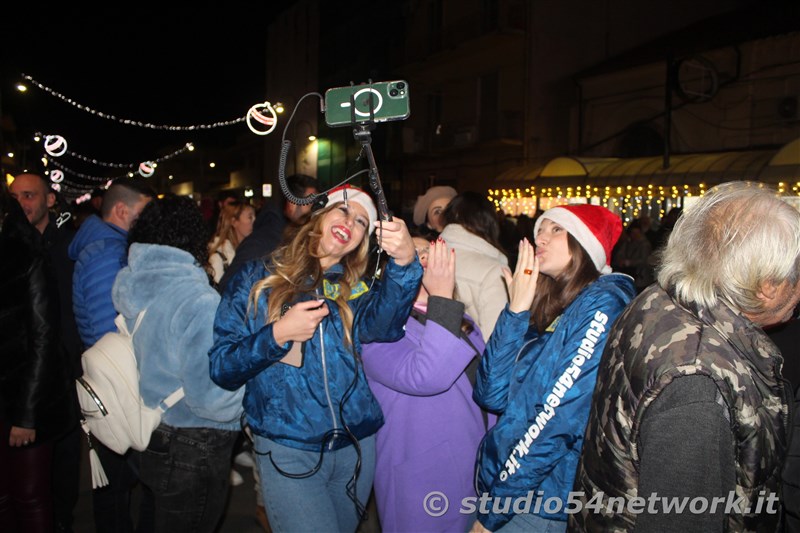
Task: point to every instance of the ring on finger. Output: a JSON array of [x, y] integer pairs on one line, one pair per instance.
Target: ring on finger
[[527, 271]]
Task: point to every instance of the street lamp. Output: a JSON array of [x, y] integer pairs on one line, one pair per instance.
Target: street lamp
[[306, 151]]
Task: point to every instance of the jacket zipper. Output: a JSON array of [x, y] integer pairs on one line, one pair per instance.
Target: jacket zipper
[[325, 380]]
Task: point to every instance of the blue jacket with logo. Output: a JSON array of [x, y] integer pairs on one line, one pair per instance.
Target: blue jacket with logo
[[542, 385], [298, 406]]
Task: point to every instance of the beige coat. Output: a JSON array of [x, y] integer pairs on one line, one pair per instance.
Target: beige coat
[[479, 276]]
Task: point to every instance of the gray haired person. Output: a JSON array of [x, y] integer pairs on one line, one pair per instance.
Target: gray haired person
[[688, 427]]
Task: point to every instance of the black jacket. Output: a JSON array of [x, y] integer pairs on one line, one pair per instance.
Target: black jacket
[[267, 234], [791, 474], [35, 388]]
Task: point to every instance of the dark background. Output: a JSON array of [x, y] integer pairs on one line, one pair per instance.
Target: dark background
[[164, 64]]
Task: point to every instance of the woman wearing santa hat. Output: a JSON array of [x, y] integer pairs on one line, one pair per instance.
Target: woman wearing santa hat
[[290, 332], [540, 365]]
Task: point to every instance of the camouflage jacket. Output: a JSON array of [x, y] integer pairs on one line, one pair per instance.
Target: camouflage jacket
[[654, 341]]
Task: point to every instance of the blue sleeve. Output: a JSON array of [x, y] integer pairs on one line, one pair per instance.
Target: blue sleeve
[[95, 272], [559, 413], [195, 333], [383, 314], [499, 358], [243, 343]]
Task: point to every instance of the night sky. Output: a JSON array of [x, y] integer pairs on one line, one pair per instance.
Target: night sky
[[164, 65]]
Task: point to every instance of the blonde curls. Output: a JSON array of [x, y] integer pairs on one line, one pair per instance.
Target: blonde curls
[[295, 270]]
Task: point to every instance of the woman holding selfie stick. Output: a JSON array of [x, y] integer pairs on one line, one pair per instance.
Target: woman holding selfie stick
[[291, 331]]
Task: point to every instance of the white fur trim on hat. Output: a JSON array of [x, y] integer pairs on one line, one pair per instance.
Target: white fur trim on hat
[[575, 227], [354, 194]]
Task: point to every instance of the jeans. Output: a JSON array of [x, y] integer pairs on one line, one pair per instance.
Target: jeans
[[188, 471], [530, 523], [66, 477], [319, 502], [111, 505]]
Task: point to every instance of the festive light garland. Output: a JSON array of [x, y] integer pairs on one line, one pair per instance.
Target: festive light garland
[[627, 200], [187, 146], [130, 122], [86, 176]]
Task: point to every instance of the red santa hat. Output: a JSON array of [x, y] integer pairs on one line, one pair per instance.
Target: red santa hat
[[594, 227], [347, 194]]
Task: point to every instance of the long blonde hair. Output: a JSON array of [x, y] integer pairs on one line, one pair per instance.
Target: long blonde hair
[[296, 270], [225, 230]]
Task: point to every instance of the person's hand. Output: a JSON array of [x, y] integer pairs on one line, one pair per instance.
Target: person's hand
[[300, 321], [394, 238], [477, 527], [439, 278], [21, 436], [522, 286]]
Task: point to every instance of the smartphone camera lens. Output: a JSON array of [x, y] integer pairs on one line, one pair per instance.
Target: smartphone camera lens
[[401, 85], [393, 92]]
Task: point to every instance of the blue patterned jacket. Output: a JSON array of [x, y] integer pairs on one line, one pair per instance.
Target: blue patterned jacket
[[298, 406]]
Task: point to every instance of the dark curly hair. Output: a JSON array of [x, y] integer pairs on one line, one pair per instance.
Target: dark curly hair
[[173, 221]]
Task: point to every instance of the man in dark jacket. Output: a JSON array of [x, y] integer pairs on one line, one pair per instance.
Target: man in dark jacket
[[269, 226], [35, 387], [37, 198]]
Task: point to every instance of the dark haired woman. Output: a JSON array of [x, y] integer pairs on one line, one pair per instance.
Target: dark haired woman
[[473, 232], [291, 331], [187, 463], [540, 366]]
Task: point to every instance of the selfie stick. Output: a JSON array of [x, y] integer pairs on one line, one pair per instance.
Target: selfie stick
[[363, 134]]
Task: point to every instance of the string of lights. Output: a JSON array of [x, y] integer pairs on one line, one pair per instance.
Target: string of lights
[[130, 122], [97, 179], [187, 147]]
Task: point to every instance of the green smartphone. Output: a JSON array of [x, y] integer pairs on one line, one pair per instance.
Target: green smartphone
[[361, 104]]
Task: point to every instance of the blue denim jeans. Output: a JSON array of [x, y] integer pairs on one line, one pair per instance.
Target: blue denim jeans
[[188, 471], [318, 502], [530, 523]]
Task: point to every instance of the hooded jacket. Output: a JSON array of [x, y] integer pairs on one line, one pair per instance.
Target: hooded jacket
[[433, 426], [542, 385], [299, 407], [174, 337], [99, 250]]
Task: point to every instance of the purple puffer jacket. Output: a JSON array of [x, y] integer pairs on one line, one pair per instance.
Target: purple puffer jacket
[[433, 427]]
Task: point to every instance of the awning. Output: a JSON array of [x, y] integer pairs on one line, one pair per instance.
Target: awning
[[524, 173], [691, 169], [709, 169]]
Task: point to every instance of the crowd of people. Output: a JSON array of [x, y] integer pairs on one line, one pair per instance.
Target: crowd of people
[[587, 379]]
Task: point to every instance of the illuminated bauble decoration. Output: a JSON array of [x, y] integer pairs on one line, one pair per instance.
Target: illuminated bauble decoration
[[147, 169], [257, 113], [56, 187], [55, 145], [56, 176]]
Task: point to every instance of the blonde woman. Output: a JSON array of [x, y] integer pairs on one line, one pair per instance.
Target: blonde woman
[[236, 223], [290, 330]]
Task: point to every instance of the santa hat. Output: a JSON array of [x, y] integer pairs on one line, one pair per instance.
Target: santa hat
[[594, 227], [347, 194]]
